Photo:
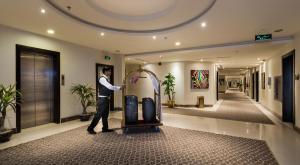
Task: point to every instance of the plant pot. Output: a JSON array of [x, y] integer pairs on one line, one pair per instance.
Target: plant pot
[[85, 117], [5, 135], [171, 103]]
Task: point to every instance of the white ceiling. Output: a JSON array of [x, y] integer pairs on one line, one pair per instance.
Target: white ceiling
[[242, 56], [227, 21]]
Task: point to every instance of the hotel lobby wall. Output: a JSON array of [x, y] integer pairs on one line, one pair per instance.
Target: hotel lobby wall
[[297, 82], [77, 63], [272, 68], [182, 72]]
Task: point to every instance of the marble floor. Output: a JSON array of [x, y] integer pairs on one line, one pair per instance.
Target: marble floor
[[282, 140]]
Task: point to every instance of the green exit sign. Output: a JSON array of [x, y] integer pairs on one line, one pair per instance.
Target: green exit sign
[[263, 37], [108, 58]]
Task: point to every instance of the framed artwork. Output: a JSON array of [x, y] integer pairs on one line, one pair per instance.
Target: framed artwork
[[277, 88], [263, 82], [269, 81], [199, 79]]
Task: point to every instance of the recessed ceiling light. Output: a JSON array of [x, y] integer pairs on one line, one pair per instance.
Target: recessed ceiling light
[[154, 37], [177, 43], [50, 31], [43, 11], [258, 59], [128, 58], [145, 62], [201, 59], [160, 56], [203, 24], [102, 34]]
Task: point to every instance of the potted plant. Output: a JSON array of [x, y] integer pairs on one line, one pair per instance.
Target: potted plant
[[169, 84], [86, 95], [7, 99]]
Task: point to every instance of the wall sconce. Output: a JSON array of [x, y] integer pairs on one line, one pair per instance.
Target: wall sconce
[[297, 76], [62, 80]]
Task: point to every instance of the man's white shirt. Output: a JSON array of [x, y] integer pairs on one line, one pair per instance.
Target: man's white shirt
[[104, 82]]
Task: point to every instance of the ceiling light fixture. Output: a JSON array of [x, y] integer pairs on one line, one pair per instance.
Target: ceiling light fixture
[[177, 43], [201, 59], [50, 31], [102, 34], [160, 56], [154, 37], [43, 11], [203, 24], [258, 59]]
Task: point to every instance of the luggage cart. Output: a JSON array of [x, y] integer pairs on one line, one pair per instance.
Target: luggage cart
[[157, 100]]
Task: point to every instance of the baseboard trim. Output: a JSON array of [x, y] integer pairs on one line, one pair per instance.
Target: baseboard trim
[[297, 129], [184, 105], [118, 109], [273, 113], [15, 131], [187, 105], [70, 118]]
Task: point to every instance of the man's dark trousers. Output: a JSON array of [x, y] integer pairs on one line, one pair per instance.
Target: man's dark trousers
[[102, 111]]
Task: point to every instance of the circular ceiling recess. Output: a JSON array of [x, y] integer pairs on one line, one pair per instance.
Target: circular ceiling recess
[[134, 16]]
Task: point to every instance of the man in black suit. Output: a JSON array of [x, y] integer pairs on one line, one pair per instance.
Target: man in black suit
[[105, 91]]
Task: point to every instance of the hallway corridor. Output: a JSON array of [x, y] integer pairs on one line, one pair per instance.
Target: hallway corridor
[[233, 105], [237, 106]]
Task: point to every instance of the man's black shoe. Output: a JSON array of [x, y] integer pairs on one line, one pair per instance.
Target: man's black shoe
[[107, 130], [91, 131]]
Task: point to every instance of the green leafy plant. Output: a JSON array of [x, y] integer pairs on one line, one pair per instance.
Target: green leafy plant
[[86, 95], [8, 97], [169, 84]]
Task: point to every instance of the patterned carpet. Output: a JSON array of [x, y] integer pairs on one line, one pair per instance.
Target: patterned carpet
[[168, 146], [235, 106]]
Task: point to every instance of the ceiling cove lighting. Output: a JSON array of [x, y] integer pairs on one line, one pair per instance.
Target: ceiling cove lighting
[[177, 43], [50, 31], [154, 37], [43, 11], [203, 24]]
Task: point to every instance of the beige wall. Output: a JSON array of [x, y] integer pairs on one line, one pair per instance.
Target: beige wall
[[297, 82], [77, 64], [181, 70], [273, 67]]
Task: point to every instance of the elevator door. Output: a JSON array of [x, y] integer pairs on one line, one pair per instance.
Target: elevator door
[[37, 89]]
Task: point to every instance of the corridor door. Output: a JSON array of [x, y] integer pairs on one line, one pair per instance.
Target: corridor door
[[288, 95]]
